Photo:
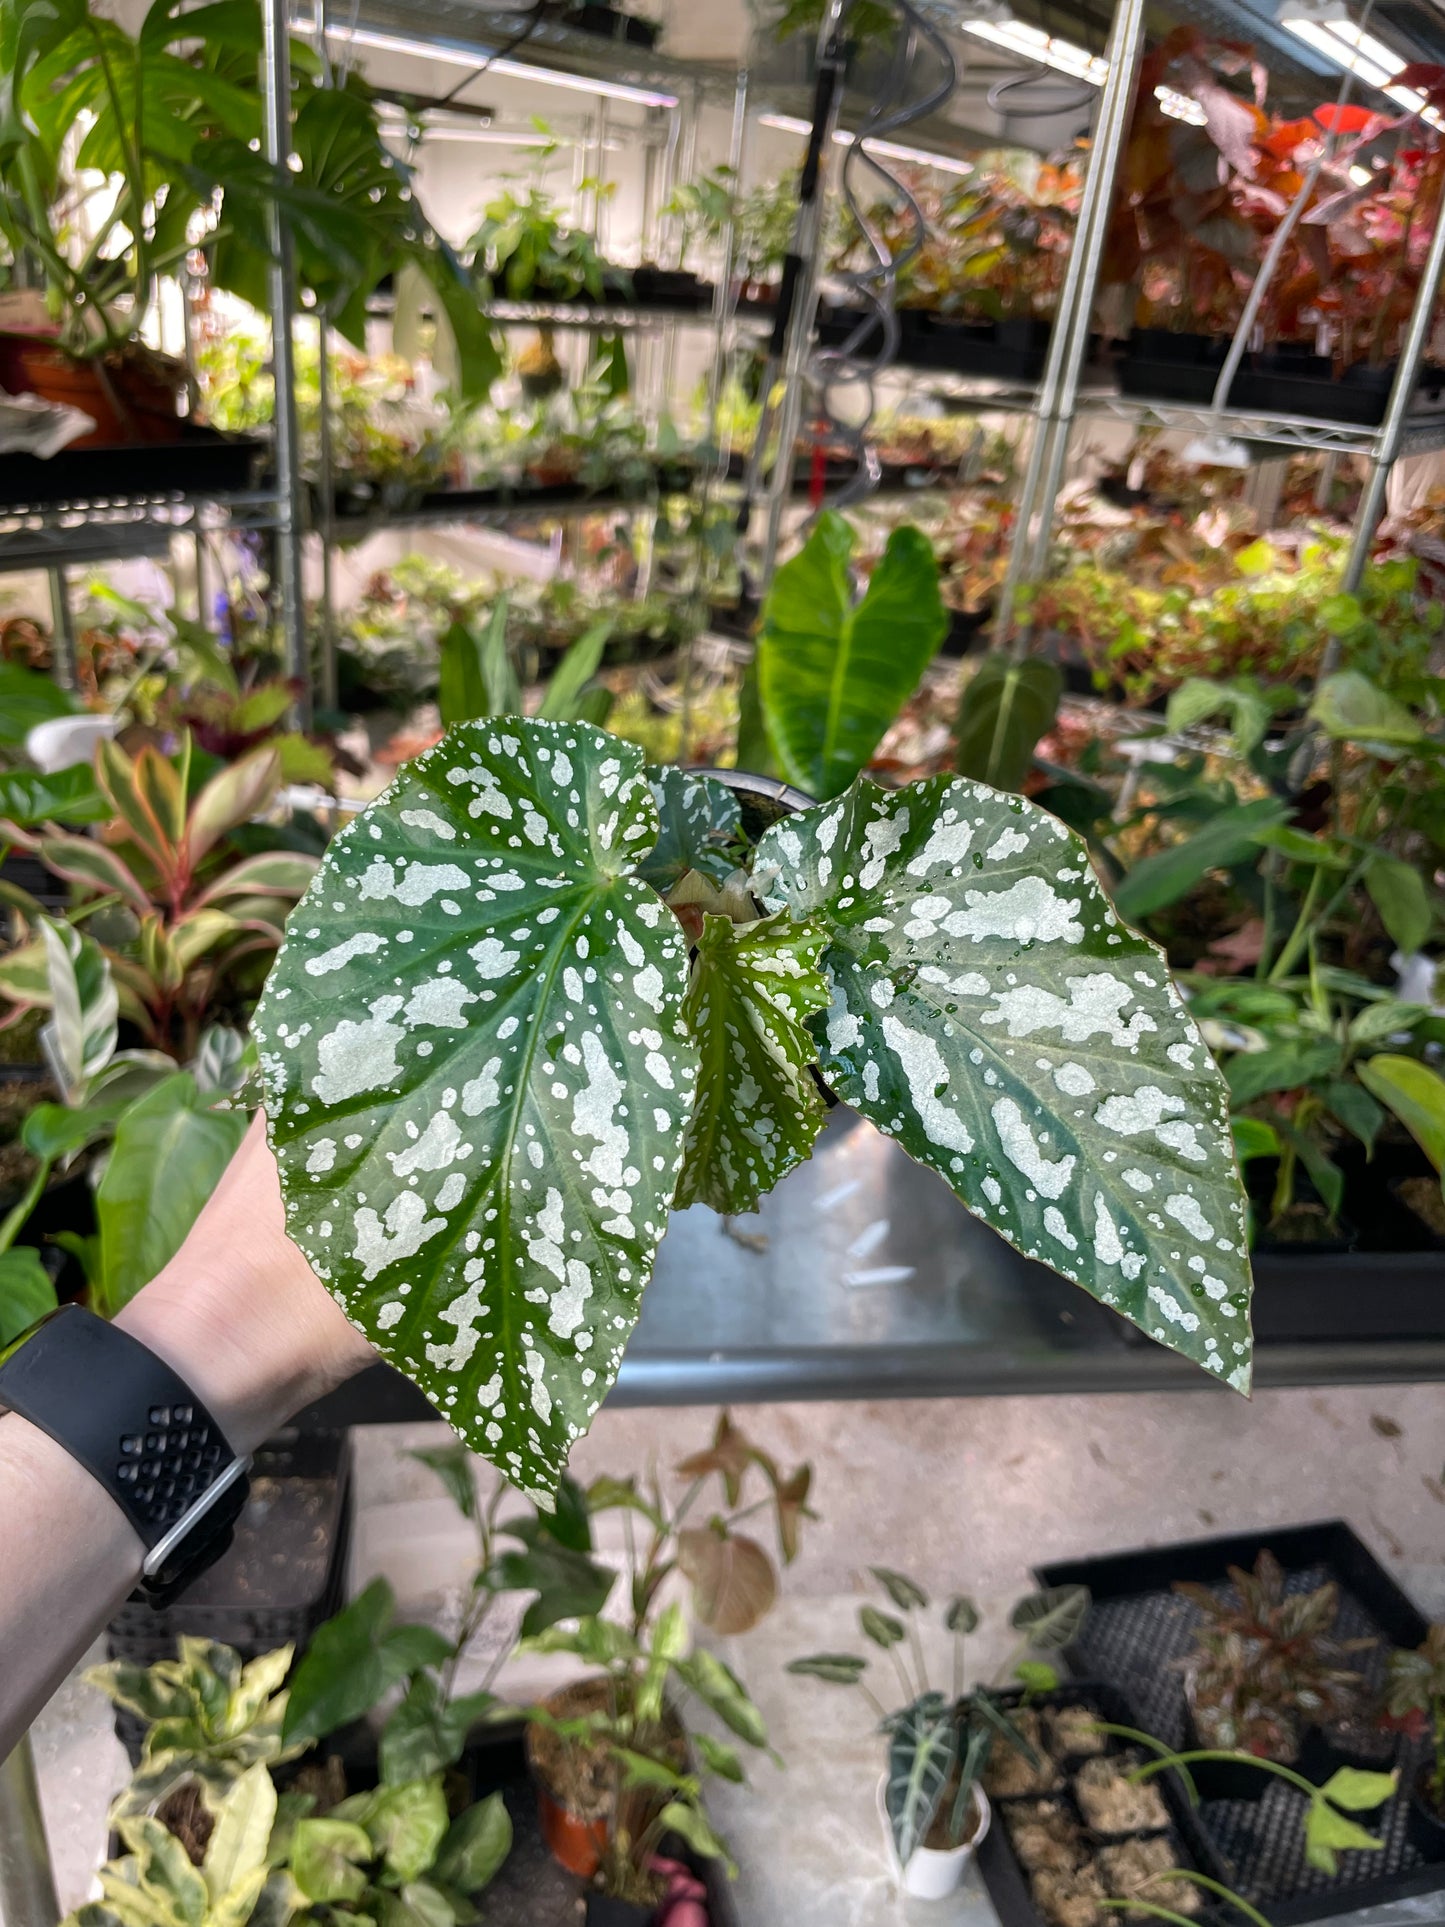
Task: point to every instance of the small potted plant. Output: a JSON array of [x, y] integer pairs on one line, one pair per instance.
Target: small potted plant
[[616, 1772], [941, 1747], [210, 1839], [1415, 1703], [1265, 1675]]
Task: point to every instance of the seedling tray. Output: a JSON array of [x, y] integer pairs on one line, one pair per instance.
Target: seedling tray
[[202, 463], [1009, 1882], [1136, 1631]]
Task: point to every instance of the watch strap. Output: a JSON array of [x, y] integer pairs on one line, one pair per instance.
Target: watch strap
[[137, 1428]]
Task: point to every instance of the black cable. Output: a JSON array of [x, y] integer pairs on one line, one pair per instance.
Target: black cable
[[524, 33]]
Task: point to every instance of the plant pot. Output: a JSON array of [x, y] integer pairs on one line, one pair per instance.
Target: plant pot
[[576, 1844], [606, 1910], [932, 1873], [764, 800], [138, 406], [1171, 367], [1424, 1822], [1405, 1194], [1323, 1752], [1221, 1779]]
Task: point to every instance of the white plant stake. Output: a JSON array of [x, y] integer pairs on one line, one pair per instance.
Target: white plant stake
[[481, 1047]]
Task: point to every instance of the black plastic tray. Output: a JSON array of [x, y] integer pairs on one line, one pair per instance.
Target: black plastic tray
[[1331, 1296], [1008, 1883], [1137, 1627], [203, 462]]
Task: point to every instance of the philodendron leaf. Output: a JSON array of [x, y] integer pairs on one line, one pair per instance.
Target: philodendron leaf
[[477, 1079], [1004, 710], [758, 1109], [991, 1013], [700, 820], [832, 675]]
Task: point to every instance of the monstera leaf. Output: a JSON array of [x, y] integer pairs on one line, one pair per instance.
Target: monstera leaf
[[758, 1109], [477, 1079], [989, 1011]]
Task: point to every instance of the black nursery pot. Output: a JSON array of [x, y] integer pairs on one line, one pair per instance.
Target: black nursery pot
[[605, 1911], [1221, 1779], [1424, 1822], [763, 800]]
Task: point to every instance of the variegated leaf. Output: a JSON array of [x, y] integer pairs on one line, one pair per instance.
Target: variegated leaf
[[700, 825], [991, 1012], [478, 1080], [753, 987]]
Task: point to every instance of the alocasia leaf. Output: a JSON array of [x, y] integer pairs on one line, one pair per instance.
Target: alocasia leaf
[[758, 1109], [477, 1079], [991, 1012], [700, 821]]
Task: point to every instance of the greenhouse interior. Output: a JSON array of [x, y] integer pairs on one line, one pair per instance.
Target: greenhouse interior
[[859, 585]]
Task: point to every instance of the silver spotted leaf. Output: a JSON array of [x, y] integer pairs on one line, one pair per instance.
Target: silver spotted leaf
[[700, 827], [990, 1011], [758, 1109], [477, 1078]]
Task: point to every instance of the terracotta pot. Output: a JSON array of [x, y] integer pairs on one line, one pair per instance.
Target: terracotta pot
[[147, 399], [577, 1845]]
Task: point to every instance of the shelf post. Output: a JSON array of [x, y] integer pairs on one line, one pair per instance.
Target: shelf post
[[62, 627], [1386, 451], [27, 1880], [276, 109], [1069, 341], [798, 295]]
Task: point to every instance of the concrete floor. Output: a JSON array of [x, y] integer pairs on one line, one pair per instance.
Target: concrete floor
[[965, 1495]]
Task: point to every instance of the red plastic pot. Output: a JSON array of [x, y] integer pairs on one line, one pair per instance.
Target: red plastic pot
[[138, 406]]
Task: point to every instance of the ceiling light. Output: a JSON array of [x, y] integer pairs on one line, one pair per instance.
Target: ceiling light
[[453, 56], [994, 21], [888, 150], [1180, 106], [1326, 26], [997, 25]]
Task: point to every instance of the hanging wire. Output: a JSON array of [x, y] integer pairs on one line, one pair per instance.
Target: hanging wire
[[853, 367]]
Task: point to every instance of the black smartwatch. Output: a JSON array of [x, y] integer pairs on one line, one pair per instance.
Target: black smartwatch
[[139, 1431]]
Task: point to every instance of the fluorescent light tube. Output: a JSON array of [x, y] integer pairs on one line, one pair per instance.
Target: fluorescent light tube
[[888, 150], [451, 56], [1180, 106]]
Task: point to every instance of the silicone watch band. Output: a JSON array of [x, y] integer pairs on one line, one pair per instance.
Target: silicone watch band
[[140, 1432]]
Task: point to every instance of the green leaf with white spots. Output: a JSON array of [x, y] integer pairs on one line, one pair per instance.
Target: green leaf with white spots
[[477, 1077], [989, 1011], [701, 827], [753, 988]]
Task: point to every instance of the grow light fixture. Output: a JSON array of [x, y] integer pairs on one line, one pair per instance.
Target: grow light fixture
[[996, 22], [1326, 26], [475, 57], [886, 150]]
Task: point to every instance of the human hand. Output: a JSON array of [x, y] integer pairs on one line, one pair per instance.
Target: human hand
[[239, 1313]]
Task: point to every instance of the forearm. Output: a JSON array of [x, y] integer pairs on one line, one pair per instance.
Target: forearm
[[242, 1319]]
